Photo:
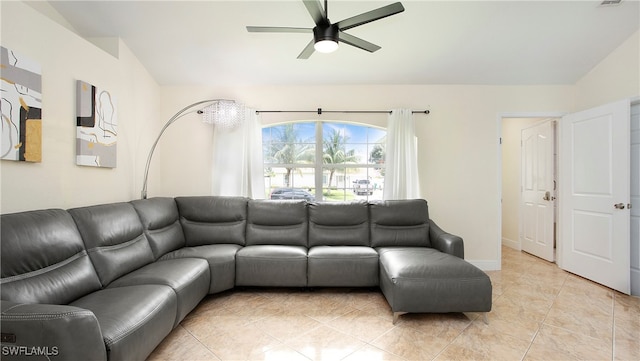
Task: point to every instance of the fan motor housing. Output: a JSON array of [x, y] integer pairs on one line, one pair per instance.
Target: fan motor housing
[[325, 32]]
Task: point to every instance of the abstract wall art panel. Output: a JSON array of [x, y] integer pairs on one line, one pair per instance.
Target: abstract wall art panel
[[21, 107], [97, 127]]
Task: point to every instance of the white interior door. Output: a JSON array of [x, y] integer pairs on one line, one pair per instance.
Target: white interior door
[[594, 194], [537, 190]]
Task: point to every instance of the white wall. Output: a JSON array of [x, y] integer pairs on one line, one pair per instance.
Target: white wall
[[614, 78], [457, 142], [65, 58]]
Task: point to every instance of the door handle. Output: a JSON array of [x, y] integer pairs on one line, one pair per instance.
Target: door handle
[[618, 206], [547, 196]]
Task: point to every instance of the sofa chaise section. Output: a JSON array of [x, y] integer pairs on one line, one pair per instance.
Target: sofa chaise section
[[416, 277]]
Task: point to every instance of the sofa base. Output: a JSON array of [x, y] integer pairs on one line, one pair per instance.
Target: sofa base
[[396, 317]]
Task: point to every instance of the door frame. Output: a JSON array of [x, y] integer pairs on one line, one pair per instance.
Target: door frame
[[499, 120]]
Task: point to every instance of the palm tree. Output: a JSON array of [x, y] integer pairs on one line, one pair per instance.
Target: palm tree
[[287, 148], [377, 156], [334, 151]]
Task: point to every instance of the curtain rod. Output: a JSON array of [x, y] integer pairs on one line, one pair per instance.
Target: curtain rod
[[321, 111]]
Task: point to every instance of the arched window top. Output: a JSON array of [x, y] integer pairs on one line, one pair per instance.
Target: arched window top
[[323, 160]]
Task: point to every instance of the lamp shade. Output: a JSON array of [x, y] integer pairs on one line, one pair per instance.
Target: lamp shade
[[223, 113]]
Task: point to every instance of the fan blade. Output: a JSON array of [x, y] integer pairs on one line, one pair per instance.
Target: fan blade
[[314, 7], [272, 29], [370, 16], [357, 42], [307, 51]]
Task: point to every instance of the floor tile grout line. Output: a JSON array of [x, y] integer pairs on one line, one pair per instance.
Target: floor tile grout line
[[380, 336], [613, 326], [200, 342], [542, 323], [453, 340]]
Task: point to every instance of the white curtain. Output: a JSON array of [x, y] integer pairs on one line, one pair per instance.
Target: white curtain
[[237, 159], [401, 174]]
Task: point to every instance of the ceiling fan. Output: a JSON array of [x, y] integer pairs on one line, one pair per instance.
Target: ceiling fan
[[327, 35]]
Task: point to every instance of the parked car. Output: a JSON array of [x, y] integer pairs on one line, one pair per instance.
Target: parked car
[[291, 193], [362, 186]]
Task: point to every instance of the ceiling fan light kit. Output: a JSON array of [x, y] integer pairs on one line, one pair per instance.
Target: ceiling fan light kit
[[325, 38], [327, 35]]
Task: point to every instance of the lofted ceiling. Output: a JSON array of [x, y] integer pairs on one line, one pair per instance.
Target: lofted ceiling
[[514, 42]]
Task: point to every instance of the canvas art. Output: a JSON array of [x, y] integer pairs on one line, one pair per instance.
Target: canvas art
[[21, 107], [97, 127]]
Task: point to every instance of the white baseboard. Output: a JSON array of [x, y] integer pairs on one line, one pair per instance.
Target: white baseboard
[[635, 282], [511, 244], [486, 265]]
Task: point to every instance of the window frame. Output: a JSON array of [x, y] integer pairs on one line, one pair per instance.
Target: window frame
[[318, 164]]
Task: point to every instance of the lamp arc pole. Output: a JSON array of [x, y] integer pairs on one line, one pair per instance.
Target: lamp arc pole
[[184, 111]]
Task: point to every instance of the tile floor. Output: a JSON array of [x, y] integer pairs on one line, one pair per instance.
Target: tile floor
[[539, 313]]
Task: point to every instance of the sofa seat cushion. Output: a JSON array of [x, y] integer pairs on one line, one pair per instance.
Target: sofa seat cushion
[[222, 263], [271, 265], [133, 320], [342, 266], [416, 279], [188, 277]]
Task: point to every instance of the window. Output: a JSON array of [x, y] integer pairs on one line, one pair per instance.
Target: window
[[329, 161]]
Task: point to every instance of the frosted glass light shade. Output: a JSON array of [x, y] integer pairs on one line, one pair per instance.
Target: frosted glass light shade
[[326, 46]]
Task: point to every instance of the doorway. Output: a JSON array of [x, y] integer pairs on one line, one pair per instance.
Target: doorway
[[511, 177], [511, 126]]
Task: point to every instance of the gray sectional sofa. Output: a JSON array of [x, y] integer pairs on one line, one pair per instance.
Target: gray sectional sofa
[[110, 282]]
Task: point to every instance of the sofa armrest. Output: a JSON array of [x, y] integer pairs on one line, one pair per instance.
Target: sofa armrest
[[49, 332], [445, 242]]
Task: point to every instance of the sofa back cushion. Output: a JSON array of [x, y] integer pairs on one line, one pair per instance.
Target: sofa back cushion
[[213, 219], [277, 222], [403, 223], [161, 222], [339, 224], [44, 259], [114, 238]]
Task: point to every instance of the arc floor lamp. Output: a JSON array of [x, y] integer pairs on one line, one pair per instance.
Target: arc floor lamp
[[219, 112]]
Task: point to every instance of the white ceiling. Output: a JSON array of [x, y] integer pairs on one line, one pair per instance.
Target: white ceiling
[[431, 42]]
